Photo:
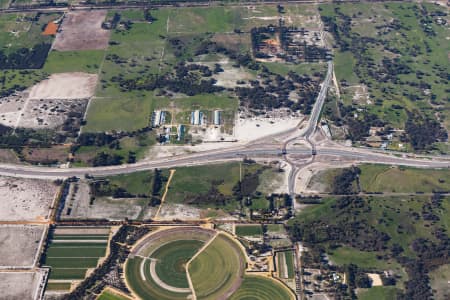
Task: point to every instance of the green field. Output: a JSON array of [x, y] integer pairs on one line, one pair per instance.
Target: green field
[[289, 255], [261, 288], [135, 183], [346, 255], [378, 293], [126, 113], [216, 268], [69, 256], [379, 178], [147, 289], [249, 230], [172, 258], [389, 179], [107, 295], [81, 262], [88, 61], [58, 286], [192, 181], [71, 273], [275, 228]]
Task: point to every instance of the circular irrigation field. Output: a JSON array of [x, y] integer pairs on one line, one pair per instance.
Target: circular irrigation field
[[158, 266], [177, 262]]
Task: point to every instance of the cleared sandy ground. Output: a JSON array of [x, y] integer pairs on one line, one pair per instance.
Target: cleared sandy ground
[[178, 211], [82, 30], [81, 230], [74, 85], [49, 103], [22, 285], [376, 279], [19, 245], [10, 109], [253, 128], [49, 113], [26, 199]]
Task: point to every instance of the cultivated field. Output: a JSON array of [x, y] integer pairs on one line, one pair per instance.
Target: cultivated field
[[20, 245], [81, 30], [249, 230], [285, 264], [72, 251], [22, 285], [217, 271], [261, 288], [26, 199], [157, 265]]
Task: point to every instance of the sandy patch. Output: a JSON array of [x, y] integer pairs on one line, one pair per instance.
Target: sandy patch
[[19, 245], [40, 113], [230, 75], [82, 30], [253, 128], [74, 85], [25, 199], [10, 109], [23, 285], [178, 211], [376, 279], [275, 182], [82, 230]]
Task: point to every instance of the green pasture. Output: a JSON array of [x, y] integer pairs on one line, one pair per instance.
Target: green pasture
[[88, 61], [58, 286], [147, 289], [378, 293], [200, 179], [379, 178], [261, 288], [216, 268], [249, 230], [171, 260]]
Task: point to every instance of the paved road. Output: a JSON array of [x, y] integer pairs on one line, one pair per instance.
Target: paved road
[[257, 149], [231, 154]]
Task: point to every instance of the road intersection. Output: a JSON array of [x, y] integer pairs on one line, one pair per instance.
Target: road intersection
[[286, 146]]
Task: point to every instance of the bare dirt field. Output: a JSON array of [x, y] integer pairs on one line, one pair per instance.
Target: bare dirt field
[[248, 129], [40, 113], [8, 156], [19, 245], [74, 85], [178, 211], [49, 103], [22, 285], [81, 230], [10, 108], [82, 30], [26, 199]]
